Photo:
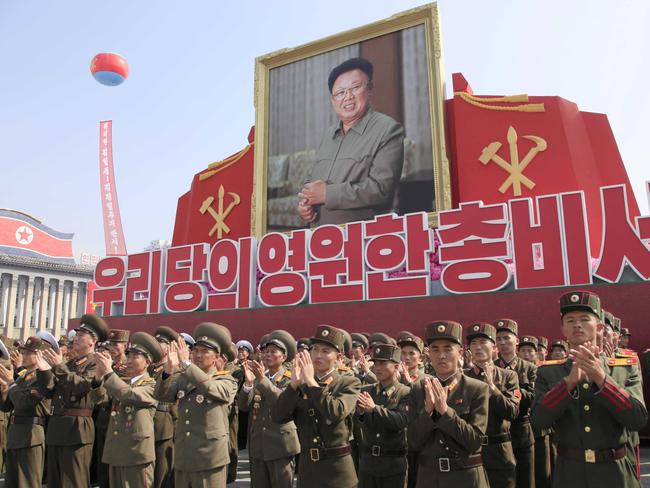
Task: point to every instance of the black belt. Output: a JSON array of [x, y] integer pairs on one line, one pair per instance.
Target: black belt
[[29, 420], [592, 456], [445, 464], [522, 420], [166, 407], [377, 450], [489, 440], [318, 453]]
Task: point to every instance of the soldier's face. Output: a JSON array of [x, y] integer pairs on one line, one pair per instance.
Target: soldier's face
[[242, 354], [116, 349], [506, 343], [445, 357], [579, 327], [324, 357], [273, 356], [385, 371], [136, 363], [351, 95], [528, 353], [482, 350], [558, 353], [29, 358], [624, 341], [541, 354], [83, 343], [410, 356], [205, 357], [357, 352]]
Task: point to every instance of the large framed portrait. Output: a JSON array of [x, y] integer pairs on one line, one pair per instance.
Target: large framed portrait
[[352, 126]]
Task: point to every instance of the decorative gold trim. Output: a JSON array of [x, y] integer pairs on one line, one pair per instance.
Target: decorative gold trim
[[482, 102], [427, 15]]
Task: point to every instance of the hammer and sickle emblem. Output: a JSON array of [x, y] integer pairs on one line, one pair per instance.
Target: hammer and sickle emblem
[[220, 214], [515, 168]]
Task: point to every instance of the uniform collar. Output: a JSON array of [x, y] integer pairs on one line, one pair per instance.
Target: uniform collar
[[449, 379], [135, 379]]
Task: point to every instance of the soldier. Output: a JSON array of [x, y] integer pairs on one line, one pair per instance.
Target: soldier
[[26, 435], [382, 417], [272, 446], [449, 415], [527, 349], [589, 411], [303, 344], [165, 417], [359, 348], [559, 350], [11, 360], [523, 439], [320, 401], [204, 392], [74, 392], [130, 449], [244, 351], [234, 368], [411, 346], [504, 397], [116, 347], [624, 341], [542, 348]]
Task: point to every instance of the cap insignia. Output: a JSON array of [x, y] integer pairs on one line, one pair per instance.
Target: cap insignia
[[575, 298]]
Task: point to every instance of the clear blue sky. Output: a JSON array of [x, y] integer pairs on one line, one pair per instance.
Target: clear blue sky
[[189, 98]]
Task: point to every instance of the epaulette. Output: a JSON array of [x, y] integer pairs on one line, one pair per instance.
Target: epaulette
[[146, 381], [551, 362], [343, 369], [287, 374], [79, 362], [220, 373], [22, 373], [623, 361], [626, 353]]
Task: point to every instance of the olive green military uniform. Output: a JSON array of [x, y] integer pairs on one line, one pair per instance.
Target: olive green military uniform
[[130, 445], [450, 444], [591, 426], [271, 446], [204, 399], [26, 434], [236, 371], [164, 421], [322, 415], [382, 439], [523, 439], [71, 430]]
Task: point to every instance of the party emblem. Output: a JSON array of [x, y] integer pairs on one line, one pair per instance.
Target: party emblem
[[476, 327], [441, 328], [199, 398], [500, 324], [575, 298], [325, 333]]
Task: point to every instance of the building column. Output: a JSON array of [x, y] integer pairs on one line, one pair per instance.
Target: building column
[[38, 296], [74, 303], [28, 308], [20, 302], [44, 305], [11, 307], [67, 292], [4, 298], [58, 309]]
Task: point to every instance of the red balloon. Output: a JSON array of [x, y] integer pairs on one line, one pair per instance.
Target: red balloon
[[109, 68]]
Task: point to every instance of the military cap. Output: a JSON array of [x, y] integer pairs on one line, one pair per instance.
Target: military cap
[[359, 340], [528, 341], [611, 320], [246, 345], [380, 338], [366, 334], [189, 340], [562, 344], [119, 335], [230, 353], [585, 301], [506, 324], [329, 335], [216, 337], [165, 334], [347, 341], [263, 339], [386, 352], [50, 339], [103, 346], [406, 338], [147, 345], [64, 341], [303, 343], [481, 329], [443, 329], [283, 340], [35, 343], [542, 342], [95, 326], [616, 324], [625, 332]]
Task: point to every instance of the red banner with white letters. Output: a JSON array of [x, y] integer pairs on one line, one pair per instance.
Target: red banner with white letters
[[113, 233]]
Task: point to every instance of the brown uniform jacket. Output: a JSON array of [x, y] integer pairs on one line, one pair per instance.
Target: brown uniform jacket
[[521, 430], [27, 404], [129, 439], [323, 417], [166, 412], [203, 406], [268, 440], [73, 390]]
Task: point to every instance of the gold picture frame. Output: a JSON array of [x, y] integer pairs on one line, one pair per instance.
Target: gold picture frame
[[426, 15]]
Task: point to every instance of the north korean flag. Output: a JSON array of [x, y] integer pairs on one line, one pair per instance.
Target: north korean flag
[[26, 236]]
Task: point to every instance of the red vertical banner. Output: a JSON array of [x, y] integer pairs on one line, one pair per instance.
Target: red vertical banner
[[113, 233]]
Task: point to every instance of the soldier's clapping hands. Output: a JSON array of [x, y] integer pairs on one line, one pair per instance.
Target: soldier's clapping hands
[[6, 374], [52, 357], [104, 364], [435, 396], [365, 403]]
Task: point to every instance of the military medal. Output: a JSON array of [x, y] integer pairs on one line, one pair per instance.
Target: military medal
[[256, 405], [113, 413], [128, 409], [257, 398], [199, 398], [180, 394]]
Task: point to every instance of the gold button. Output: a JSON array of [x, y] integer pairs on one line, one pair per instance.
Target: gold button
[[378, 435], [585, 386], [187, 433], [587, 429], [315, 440], [587, 407], [114, 432], [187, 422]]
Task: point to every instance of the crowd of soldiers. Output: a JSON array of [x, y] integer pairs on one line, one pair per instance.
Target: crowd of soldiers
[[485, 408]]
